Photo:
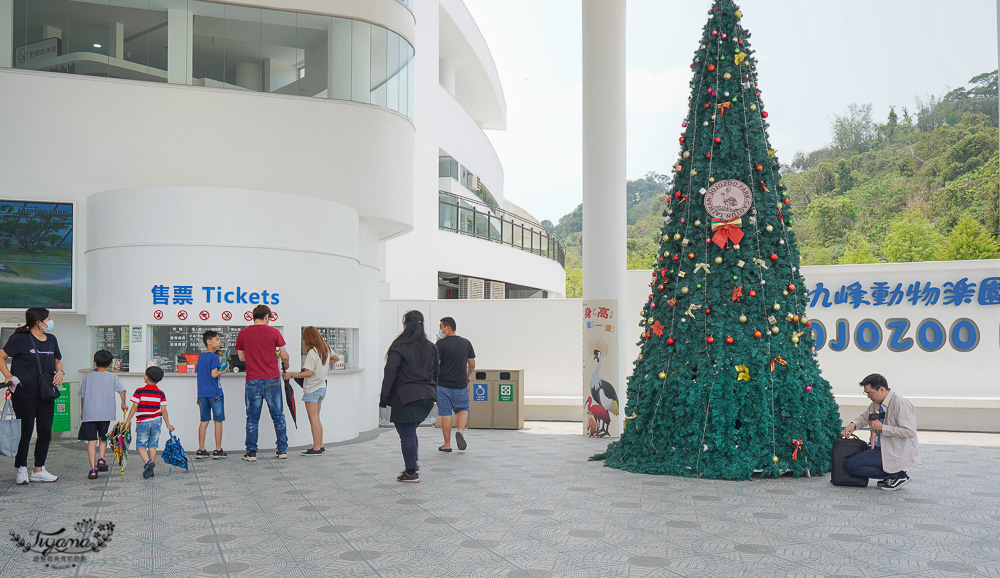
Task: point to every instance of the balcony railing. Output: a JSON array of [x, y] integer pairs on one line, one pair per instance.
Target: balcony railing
[[477, 219]]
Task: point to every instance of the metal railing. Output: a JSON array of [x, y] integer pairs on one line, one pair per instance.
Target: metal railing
[[477, 219]]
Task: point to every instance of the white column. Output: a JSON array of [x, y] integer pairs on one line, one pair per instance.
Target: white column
[[116, 40], [180, 30], [7, 33], [604, 217], [339, 59], [446, 75]]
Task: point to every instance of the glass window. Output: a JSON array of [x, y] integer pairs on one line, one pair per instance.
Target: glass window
[[175, 348], [344, 342], [466, 220], [482, 225], [494, 228], [448, 216], [115, 339]]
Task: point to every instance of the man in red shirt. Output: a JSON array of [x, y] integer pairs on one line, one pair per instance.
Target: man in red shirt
[[257, 345]]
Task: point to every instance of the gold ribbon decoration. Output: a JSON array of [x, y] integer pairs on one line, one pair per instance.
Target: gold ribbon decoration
[[744, 374], [700, 266], [738, 59], [796, 335], [628, 419], [691, 310], [761, 262]]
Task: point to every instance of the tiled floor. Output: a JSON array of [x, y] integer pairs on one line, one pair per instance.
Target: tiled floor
[[516, 503]]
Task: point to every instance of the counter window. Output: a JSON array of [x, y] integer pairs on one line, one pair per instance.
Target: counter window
[[175, 348], [113, 338], [344, 342]]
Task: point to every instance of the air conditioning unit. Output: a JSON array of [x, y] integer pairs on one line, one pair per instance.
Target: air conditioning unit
[[471, 288], [496, 290]]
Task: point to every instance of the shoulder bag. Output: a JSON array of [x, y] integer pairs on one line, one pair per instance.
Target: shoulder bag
[[10, 430], [48, 391]]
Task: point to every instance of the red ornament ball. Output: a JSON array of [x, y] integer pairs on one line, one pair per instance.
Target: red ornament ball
[[759, 168], [678, 194], [675, 257], [670, 341], [707, 105], [795, 318], [717, 140], [708, 155], [682, 139], [791, 287], [774, 257], [660, 287], [753, 293], [650, 296], [648, 334], [711, 67], [764, 114], [708, 312], [730, 340], [755, 334], [652, 305], [709, 340], [809, 388], [809, 323], [690, 255], [788, 201]]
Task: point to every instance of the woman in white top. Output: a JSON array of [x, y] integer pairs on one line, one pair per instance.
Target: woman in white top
[[313, 376]]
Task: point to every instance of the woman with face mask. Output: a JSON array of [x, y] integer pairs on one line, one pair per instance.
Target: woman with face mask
[[34, 354]]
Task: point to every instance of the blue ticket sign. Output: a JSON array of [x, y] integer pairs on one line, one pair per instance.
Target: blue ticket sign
[[479, 392]]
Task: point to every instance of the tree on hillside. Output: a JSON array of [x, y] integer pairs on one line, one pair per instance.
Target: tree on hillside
[[726, 383], [968, 241], [911, 238], [574, 283], [854, 132], [858, 251]]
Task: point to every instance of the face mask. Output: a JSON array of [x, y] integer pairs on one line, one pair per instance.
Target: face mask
[[441, 334], [49, 326]]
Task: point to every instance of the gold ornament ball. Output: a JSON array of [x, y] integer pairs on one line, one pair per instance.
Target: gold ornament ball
[[736, 246], [697, 223], [684, 290], [739, 13], [803, 320], [795, 339], [718, 260], [686, 154], [753, 107], [743, 318], [775, 459], [775, 330], [663, 375], [769, 228], [693, 172], [677, 236], [776, 307], [711, 179], [727, 76], [640, 357], [785, 292], [702, 47], [666, 237], [713, 117]]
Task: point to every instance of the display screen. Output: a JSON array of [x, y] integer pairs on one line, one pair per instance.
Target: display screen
[[36, 255]]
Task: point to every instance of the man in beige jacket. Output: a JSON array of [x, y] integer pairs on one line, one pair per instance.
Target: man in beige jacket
[[894, 440]]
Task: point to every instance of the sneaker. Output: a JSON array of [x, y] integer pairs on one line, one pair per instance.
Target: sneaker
[[312, 452], [219, 455], [201, 454], [881, 484], [413, 478], [322, 450], [250, 456], [894, 484], [460, 439], [22, 477], [102, 466], [43, 476], [281, 455], [92, 475], [147, 470]]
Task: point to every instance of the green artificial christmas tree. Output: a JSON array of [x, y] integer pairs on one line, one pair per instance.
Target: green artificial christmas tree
[[727, 382]]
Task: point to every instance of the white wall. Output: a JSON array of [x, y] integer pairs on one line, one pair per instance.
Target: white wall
[[468, 144]]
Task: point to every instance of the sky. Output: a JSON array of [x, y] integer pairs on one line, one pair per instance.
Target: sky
[[815, 58]]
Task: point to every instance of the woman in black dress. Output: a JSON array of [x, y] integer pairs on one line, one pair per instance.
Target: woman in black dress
[[410, 387], [34, 354]]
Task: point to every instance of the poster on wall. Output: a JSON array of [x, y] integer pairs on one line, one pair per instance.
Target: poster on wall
[[601, 409], [36, 255]]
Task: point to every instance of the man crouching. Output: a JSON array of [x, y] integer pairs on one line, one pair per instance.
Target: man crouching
[[894, 436]]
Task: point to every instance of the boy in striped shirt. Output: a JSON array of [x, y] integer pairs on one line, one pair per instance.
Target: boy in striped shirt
[[149, 406]]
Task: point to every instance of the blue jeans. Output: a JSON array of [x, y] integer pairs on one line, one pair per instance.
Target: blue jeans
[[210, 406], [408, 443], [867, 464], [257, 392], [147, 434]]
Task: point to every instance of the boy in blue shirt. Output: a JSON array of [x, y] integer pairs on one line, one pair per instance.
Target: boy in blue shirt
[[97, 409], [210, 399]]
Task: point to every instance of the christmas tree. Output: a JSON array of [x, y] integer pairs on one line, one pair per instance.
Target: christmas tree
[[727, 382]]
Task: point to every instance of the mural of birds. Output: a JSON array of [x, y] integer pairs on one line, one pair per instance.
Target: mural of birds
[[602, 391], [7, 271], [602, 417]]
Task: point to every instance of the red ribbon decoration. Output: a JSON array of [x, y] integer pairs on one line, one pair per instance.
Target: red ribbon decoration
[[727, 231], [723, 106], [777, 360], [763, 186], [795, 454], [738, 294]]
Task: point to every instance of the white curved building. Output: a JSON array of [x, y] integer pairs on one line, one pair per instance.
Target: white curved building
[[206, 156]]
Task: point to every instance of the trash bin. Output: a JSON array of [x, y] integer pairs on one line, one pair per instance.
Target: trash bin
[[481, 398], [508, 409]]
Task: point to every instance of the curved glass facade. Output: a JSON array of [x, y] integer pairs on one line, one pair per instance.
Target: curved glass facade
[[216, 45]]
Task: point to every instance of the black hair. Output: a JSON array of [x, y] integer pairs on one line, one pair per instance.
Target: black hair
[[261, 312], [875, 381], [31, 318], [210, 334], [449, 322], [103, 358], [155, 374], [413, 332]]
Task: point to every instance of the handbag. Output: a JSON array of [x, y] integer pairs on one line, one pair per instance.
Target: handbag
[[10, 430], [844, 448], [48, 391]]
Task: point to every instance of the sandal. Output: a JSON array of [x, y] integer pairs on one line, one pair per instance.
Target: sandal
[[444, 449], [92, 475], [102, 466]]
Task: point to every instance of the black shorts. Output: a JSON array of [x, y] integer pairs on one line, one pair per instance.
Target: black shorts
[[93, 430]]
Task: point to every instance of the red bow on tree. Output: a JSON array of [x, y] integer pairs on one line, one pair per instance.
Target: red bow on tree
[[798, 445], [727, 231], [657, 328], [738, 294]]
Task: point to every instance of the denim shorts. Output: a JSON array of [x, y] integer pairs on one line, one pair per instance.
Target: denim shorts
[[147, 434], [452, 400], [212, 405], [315, 396]]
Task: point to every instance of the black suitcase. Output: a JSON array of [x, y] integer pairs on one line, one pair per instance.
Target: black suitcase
[[844, 448]]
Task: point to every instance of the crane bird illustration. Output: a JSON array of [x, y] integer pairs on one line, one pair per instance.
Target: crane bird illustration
[[600, 390], [7, 271], [601, 416]]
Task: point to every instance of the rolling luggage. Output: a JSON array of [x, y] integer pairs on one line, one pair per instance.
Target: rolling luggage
[[844, 448]]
